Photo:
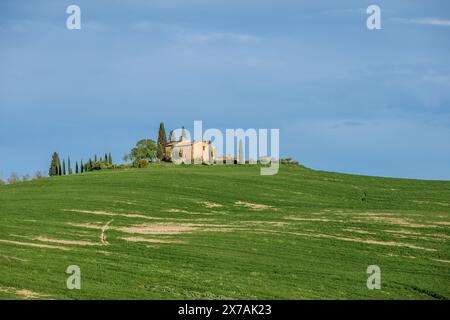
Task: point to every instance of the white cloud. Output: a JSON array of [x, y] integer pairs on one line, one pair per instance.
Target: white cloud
[[427, 21], [433, 22], [220, 36]]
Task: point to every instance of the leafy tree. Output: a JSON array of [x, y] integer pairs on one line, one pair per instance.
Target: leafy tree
[[26, 178], [70, 166], [162, 141], [145, 149], [39, 175], [54, 165], [14, 178], [2, 182]]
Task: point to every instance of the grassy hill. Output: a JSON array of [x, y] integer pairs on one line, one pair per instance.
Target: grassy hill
[[176, 232]]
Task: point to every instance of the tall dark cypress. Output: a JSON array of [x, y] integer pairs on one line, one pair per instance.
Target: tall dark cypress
[[172, 136], [95, 158], [76, 167], [81, 167], [109, 158], [59, 167], [90, 163], [106, 158], [162, 141], [53, 171], [69, 166], [64, 167]]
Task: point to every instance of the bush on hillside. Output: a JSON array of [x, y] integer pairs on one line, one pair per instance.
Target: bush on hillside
[[140, 163], [288, 161], [121, 166], [100, 165]]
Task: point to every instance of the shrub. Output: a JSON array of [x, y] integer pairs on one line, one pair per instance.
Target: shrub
[[288, 161], [364, 196], [100, 165], [141, 163], [121, 166]]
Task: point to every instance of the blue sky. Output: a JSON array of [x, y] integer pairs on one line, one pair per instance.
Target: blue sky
[[345, 98]]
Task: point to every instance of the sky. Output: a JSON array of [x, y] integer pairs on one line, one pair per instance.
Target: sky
[[345, 98]]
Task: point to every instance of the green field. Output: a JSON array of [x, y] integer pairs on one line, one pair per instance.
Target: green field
[[216, 232]]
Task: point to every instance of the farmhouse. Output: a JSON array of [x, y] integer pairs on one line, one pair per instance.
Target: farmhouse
[[187, 151]]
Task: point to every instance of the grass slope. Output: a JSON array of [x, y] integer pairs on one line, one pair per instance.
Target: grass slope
[[224, 232]]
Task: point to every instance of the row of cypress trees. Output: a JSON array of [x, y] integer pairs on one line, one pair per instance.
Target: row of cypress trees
[[58, 168]]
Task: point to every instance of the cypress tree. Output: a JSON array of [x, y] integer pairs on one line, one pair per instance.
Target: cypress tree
[[95, 158], [101, 159], [106, 158], [59, 167], [172, 136], [69, 166], [109, 158], [162, 141], [159, 152], [76, 167], [64, 167], [53, 171], [90, 163], [81, 166]]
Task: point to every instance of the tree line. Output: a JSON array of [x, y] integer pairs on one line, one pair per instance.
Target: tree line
[[144, 152], [14, 178], [62, 168], [58, 168]]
